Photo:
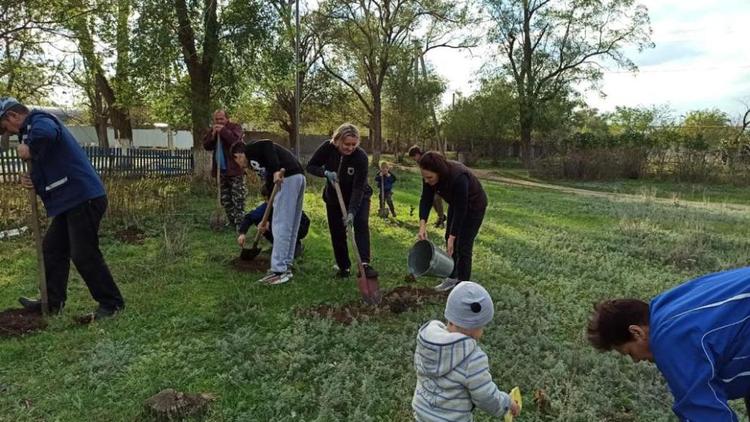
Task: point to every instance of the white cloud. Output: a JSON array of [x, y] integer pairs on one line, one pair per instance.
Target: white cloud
[[700, 60]]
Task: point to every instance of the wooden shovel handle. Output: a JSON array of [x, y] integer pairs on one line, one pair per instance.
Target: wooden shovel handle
[[35, 226], [267, 212]]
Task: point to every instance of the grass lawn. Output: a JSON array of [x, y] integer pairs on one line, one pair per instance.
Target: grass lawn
[[194, 324]]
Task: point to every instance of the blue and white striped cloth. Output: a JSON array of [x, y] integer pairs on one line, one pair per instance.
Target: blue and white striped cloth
[[453, 377]]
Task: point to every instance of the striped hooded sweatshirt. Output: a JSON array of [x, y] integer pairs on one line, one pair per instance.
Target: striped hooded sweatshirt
[[453, 377]]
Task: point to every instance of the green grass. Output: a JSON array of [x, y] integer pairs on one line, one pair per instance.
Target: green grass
[[195, 325]]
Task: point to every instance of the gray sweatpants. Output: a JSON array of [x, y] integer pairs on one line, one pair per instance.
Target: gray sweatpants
[[287, 213]]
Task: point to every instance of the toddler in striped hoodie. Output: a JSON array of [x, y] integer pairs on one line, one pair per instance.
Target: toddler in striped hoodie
[[453, 374]]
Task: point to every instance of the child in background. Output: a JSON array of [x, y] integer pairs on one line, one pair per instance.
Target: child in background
[[254, 217], [385, 180], [452, 370]]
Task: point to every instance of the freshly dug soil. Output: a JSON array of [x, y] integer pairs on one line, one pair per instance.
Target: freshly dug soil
[[259, 264], [17, 322], [171, 405], [396, 301], [131, 234]]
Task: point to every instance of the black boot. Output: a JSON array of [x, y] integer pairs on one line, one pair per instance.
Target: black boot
[[35, 305]]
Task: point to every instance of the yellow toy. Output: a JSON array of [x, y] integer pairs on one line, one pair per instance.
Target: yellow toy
[[515, 395]]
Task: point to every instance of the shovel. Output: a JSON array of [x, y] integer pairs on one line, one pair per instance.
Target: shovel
[[217, 218], [383, 211], [39, 253], [250, 254], [369, 287]]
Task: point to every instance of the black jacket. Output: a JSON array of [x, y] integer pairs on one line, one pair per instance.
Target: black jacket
[[351, 170], [266, 158], [461, 190]]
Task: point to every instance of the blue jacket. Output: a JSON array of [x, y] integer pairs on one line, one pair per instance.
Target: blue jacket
[[388, 181], [61, 172], [699, 334]]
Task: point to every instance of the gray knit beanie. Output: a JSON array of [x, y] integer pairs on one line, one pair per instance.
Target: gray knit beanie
[[469, 306]]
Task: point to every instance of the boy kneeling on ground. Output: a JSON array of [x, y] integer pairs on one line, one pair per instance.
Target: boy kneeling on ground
[[254, 217], [453, 373]]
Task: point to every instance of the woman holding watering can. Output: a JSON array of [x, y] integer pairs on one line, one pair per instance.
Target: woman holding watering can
[[342, 160], [467, 202]]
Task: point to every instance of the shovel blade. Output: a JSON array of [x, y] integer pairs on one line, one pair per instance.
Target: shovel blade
[[370, 290], [249, 254]]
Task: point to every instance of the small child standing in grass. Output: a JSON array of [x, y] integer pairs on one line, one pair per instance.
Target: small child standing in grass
[[385, 180], [453, 373]]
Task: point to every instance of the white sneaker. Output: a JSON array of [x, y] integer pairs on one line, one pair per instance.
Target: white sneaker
[[447, 284], [266, 277], [279, 278]]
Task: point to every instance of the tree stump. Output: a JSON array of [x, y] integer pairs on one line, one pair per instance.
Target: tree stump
[[171, 405]]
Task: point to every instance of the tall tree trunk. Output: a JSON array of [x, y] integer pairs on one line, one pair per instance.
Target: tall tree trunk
[[199, 68], [377, 141], [100, 118], [200, 104]]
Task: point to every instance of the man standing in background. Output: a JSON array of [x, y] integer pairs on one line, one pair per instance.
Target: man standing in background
[[233, 190]]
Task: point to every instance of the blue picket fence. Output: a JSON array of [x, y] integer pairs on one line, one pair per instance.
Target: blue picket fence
[[132, 162]]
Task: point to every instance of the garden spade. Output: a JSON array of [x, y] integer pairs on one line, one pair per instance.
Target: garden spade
[[383, 213], [369, 287], [250, 254], [39, 253], [217, 218]]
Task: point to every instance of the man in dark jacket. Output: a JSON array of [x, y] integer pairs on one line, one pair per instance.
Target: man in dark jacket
[[74, 197], [233, 190]]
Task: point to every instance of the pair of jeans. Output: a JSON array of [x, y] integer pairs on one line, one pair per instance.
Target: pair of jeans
[[338, 233], [287, 214], [463, 246], [74, 235]]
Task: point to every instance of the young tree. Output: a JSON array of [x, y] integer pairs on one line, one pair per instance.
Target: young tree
[[549, 45]]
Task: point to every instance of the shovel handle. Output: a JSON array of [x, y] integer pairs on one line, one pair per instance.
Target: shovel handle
[[35, 226], [267, 212], [340, 196]]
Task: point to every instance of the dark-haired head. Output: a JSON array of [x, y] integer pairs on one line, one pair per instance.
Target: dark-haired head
[[622, 325], [415, 152], [434, 168]]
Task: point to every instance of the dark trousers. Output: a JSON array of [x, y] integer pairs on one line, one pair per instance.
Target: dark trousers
[[74, 235], [388, 200], [747, 405], [463, 246], [338, 233]]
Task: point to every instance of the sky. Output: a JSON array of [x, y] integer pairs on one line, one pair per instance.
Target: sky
[[701, 60]]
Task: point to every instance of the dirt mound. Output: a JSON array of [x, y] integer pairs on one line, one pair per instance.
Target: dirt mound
[[169, 405], [260, 264], [396, 301], [131, 234], [17, 322]]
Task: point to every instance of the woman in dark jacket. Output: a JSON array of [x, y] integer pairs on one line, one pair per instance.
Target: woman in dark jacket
[[467, 202], [341, 159]]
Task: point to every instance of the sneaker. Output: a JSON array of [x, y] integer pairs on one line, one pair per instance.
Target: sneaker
[[101, 313], [266, 277], [345, 273], [447, 284], [279, 278], [369, 272], [35, 305]]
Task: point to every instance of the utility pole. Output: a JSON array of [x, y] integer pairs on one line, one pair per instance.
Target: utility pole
[[297, 87]]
